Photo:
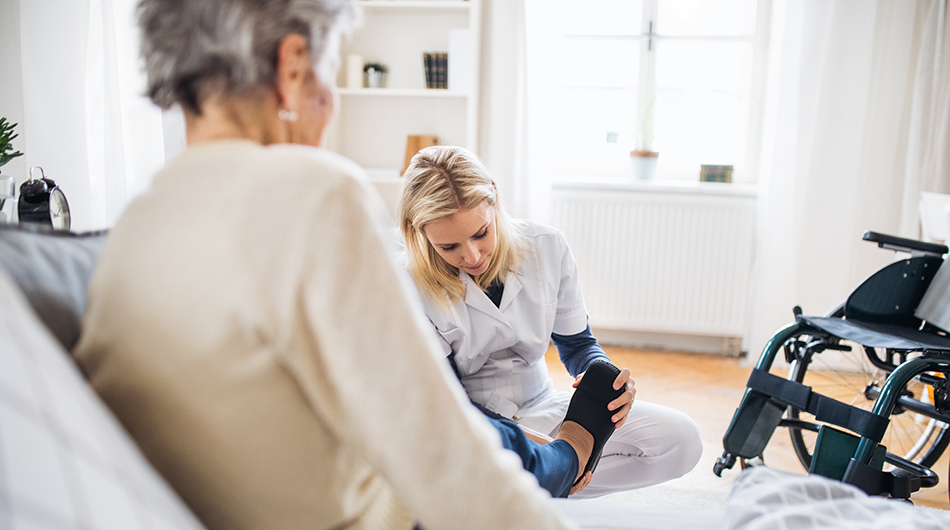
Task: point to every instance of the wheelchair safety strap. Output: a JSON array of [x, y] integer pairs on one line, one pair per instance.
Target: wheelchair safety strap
[[825, 409]]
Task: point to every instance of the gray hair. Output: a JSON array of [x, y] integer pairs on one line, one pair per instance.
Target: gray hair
[[193, 48]]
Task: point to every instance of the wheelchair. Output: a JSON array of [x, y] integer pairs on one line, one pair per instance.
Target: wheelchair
[[867, 397]]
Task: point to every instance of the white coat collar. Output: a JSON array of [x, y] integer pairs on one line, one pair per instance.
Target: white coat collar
[[512, 288], [478, 300]]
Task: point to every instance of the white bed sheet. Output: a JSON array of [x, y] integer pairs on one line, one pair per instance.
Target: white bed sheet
[[595, 514], [764, 499]]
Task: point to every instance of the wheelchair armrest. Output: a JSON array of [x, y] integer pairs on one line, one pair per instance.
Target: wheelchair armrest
[[901, 244]]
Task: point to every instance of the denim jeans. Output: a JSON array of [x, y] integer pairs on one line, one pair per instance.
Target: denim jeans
[[554, 464]]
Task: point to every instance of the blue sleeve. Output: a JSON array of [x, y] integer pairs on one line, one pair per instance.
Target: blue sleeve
[[578, 351]]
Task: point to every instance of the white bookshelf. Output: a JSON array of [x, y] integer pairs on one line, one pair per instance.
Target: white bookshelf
[[403, 92], [373, 123], [421, 5]]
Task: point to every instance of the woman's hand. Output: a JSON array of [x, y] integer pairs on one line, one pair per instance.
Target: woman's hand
[[621, 405], [582, 483]]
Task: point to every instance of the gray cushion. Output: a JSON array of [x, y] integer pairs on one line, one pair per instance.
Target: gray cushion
[[65, 462], [52, 269]]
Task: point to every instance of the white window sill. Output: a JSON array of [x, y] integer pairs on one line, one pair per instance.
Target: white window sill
[[628, 184]]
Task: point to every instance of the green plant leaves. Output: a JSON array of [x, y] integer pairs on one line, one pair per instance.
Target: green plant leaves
[[6, 138]]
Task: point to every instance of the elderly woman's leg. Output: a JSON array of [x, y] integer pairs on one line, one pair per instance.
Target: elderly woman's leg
[[554, 464]]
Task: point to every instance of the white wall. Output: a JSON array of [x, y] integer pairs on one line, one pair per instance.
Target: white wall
[[50, 134], [71, 80], [11, 81]]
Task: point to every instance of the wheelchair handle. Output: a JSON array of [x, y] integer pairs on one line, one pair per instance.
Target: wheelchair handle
[[900, 244]]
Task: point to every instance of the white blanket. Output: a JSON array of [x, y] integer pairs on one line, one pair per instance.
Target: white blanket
[[765, 499]]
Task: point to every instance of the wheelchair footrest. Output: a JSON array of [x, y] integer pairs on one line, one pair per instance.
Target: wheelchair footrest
[[833, 458], [833, 452], [752, 425], [898, 483]]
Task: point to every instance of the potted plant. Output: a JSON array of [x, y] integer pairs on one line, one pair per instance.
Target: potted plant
[[374, 75], [643, 157], [7, 186]]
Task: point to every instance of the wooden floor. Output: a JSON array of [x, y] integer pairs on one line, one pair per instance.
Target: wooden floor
[[709, 389]]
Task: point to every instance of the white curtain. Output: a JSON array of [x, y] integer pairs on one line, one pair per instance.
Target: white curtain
[[856, 126], [516, 124], [502, 113], [84, 119], [928, 160]]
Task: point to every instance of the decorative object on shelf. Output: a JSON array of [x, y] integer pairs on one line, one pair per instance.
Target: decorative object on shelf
[[643, 157], [42, 202], [437, 69], [7, 184], [643, 164], [374, 75], [713, 173], [416, 143], [354, 71]]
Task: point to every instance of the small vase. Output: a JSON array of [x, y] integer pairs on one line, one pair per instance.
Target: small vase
[[374, 78], [643, 164]]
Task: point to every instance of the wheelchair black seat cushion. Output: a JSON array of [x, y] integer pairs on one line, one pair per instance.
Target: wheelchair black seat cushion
[[877, 335]]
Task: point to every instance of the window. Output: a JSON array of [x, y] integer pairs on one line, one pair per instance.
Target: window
[[679, 77]]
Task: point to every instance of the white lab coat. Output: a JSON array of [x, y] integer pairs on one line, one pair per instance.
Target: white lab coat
[[500, 350]]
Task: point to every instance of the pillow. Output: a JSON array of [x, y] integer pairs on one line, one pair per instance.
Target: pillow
[[65, 463], [52, 269]]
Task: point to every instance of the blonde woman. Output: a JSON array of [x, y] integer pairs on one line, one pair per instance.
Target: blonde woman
[[497, 291]]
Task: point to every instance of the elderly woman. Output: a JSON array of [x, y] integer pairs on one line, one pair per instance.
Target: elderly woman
[[249, 326], [498, 292]]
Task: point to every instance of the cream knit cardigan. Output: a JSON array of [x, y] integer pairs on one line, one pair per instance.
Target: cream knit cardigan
[[250, 327]]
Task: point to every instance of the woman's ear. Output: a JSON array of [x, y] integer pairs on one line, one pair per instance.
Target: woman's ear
[[293, 67]]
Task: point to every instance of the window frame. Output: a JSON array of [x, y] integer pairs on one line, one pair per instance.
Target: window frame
[[650, 34]]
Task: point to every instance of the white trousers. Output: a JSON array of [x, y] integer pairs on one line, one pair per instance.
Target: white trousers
[[655, 444]]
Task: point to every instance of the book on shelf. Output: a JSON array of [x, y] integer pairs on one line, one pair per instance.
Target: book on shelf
[[429, 70], [442, 67], [436, 69]]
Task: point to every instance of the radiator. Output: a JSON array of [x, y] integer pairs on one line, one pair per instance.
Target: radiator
[[669, 262]]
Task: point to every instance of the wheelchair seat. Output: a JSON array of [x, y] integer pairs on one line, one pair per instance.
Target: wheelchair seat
[[877, 335], [881, 312]]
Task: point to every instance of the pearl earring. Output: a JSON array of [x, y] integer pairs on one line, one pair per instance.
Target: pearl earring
[[287, 115]]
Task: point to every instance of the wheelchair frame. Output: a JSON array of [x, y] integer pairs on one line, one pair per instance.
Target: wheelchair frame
[[771, 401]]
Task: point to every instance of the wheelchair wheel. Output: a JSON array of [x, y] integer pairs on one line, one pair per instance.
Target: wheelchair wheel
[[849, 377]]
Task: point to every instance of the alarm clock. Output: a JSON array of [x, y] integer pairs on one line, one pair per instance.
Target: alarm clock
[[42, 202]]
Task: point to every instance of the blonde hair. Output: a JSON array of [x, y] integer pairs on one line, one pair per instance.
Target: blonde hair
[[441, 181]]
